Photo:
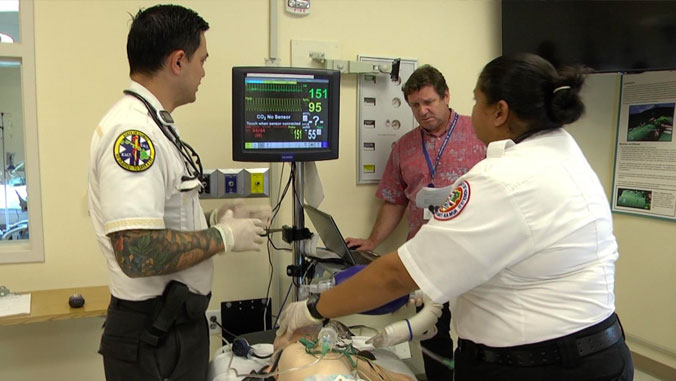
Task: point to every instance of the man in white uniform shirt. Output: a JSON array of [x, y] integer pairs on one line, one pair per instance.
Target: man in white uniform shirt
[[523, 247], [143, 201]]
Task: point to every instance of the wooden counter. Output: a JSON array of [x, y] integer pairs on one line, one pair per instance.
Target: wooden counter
[[49, 305]]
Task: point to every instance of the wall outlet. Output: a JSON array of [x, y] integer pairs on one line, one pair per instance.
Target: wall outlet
[[214, 319]]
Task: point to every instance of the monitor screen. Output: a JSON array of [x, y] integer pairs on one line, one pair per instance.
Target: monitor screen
[[284, 114]]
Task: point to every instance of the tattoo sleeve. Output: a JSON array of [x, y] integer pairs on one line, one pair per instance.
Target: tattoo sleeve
[[142, 253]]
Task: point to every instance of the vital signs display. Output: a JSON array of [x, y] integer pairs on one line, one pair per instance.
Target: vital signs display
[[285, 114]]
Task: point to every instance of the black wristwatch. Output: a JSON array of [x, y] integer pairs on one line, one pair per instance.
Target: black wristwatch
[[312, 301]]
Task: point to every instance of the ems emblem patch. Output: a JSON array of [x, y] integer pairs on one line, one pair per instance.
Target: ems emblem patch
[[134, 151], [454, 204]]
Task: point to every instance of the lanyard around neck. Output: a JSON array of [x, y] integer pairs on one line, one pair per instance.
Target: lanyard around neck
[[191, 159], [433, 169]]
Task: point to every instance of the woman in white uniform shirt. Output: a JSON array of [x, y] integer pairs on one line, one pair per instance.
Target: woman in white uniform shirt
[[523, 247]]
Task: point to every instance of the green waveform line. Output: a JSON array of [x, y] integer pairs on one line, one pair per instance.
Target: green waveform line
[[273, 104], [275, 87]]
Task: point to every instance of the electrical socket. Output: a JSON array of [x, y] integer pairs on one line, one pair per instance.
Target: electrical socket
[[214, 320]]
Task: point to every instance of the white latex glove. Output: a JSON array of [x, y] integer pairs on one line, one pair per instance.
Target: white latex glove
[[415, 298], [419, 327], [241, 234], [295, 316], [430, 333], [262, 212]]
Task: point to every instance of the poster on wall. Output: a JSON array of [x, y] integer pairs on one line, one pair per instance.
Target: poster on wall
[[644, 179]]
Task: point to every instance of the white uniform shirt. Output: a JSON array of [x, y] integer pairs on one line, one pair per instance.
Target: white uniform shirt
[[527, 253], [122, 199]]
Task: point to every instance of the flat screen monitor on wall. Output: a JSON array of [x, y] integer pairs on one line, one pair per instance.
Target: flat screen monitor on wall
[[285, 114], [607, 36]]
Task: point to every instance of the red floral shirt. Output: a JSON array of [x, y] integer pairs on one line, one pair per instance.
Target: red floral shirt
[[407, 171]]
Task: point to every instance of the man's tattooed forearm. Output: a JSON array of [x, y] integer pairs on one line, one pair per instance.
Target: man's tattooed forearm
[[156, 252]]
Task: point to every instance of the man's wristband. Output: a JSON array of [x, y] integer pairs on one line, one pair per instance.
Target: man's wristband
[[312, 301]]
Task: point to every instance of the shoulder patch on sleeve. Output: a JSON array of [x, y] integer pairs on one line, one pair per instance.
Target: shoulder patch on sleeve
[[134, 151], [454, 204]]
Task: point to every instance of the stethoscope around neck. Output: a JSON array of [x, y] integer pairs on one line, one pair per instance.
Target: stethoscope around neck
[[165, 122]]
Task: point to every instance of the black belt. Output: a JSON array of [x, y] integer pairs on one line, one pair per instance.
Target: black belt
[[565, 350], [139, 306], [176, 305]]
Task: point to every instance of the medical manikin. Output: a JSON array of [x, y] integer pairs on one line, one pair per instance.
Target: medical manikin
[[331, 352]]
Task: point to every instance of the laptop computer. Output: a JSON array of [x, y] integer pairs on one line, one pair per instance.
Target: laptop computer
[[334, 241]]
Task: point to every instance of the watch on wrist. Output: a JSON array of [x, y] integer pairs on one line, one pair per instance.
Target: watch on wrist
[[312, 301]]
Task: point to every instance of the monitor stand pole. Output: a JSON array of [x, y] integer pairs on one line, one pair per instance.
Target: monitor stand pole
[[4, 173], [298, 221]]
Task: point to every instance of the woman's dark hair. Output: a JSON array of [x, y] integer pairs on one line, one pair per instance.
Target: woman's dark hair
[[535, 91], [157, 31], [425, 75]]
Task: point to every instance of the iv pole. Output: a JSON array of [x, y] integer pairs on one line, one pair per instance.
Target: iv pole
[[298, 221], [4, 176]]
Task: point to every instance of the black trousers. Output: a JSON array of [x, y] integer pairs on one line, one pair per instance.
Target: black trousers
[[442, 345], [612, 363], [182, 354]]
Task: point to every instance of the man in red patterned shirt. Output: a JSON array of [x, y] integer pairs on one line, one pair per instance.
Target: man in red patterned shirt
[[434, 154]]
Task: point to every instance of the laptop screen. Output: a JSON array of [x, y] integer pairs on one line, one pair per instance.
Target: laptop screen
[[329, 233]]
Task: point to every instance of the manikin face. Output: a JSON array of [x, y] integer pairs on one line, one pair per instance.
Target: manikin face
[[429, 109], [193, 71]]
